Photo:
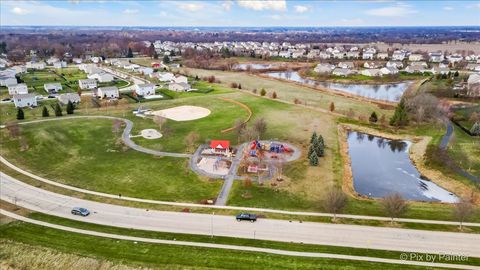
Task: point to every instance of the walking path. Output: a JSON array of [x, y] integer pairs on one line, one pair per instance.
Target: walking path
[[443, 146], [233, 247], [222, 197]]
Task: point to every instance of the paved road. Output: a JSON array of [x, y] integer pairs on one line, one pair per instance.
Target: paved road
[[213, 207], [267, 229], [233, 247], [125, 135]]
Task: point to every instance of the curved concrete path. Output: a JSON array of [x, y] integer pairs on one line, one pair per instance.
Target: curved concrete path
[[125, 135], [233, 247]]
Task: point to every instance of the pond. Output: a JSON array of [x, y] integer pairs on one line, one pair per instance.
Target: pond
[[253, 66], [388, 92], [382, 166]]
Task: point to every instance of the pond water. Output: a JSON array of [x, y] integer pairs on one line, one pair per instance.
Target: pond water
[[253, 66], [382, 166], [389, 92]]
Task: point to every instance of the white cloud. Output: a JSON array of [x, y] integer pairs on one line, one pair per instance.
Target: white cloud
[[301, 9], [191, 7], [20, 11], [447, 8], [258, 5], [227, 5], [400, 10], [130, 11]]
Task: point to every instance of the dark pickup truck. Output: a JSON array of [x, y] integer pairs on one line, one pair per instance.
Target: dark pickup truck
[[246, 216]]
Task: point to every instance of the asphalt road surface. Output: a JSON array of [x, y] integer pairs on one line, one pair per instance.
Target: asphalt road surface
[[267, 229]]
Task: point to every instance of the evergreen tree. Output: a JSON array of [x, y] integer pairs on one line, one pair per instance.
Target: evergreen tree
[[311, 150], [130, 53], [400, 117], [313, 158], [319, 146], [20, 114], [373, 117], [70, 107], [166, 59], [45, 112], [151, 50], [58, 110], [314, 137], [475, 130]]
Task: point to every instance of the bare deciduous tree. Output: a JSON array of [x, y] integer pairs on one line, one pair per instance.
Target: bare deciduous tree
[[239, 128], [463, 210], [249, 134], [424, 107], [335, 202], [191, 139], [395, 205], [160, 121], [260, 127], [116, 126]]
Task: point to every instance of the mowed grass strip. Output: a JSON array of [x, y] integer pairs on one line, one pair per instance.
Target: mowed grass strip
[[168, 256], [85, 153]]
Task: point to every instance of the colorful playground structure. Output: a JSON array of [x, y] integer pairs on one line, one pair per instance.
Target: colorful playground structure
[[255, 147]]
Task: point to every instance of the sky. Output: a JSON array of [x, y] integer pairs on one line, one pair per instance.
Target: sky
[[240, 13]]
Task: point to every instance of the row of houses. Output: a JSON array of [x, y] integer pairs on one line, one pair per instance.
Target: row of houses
[[95, 73], [375, 69]]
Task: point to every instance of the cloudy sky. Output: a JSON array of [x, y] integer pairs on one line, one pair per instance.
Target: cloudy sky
[[240, 13]]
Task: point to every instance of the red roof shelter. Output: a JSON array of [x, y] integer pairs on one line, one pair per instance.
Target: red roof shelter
[[220, 145], [155, 65]]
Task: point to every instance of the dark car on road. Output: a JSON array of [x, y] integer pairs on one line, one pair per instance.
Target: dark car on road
[[80, 211], [246, 216]]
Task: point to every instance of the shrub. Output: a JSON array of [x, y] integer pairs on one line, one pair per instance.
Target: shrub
[[20, 114], [263, 92], [373, 117], [274, 95]]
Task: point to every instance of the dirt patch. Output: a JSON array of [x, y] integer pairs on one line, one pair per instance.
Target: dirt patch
[[417, 154], [183, 113]]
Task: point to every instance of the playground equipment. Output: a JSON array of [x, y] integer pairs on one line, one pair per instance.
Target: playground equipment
[[271, 147]]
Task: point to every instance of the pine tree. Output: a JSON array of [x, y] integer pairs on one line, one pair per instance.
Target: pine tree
[[313, 158], [373, 117], [58, 110], [311, 150], [400, 117], [314, 137], [130, 53], [319, 146], [166, 59], [45, 112], [20, 114], [70, 107], [475, 130]]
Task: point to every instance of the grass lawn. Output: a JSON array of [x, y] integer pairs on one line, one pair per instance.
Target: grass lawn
[[68, 77], [290, 91], [140, 254], [465, 151], [88, 155]]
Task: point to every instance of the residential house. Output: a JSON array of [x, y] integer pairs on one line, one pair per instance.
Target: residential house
[[399, 55], [324, 68], [395, 64], [77, 60], [369, 53], [145, 70], [346, 65], [52, 87], [165, 76], [110, 92], [35, 65], [324, 55], [353, 54], [60, 64], [368, 64], [382, 56], [19, 69], [179, 87], [389, 70], [374, 72], [342, 72], [24, 100], [101, 76], [146, 89], [473, 67], [6, 80], [52, 60], [454, 58], [87, 84], [16, 89], [180, 79], [415, 57], [436, 57], [440, 70], [72, 97], [473, 85]]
